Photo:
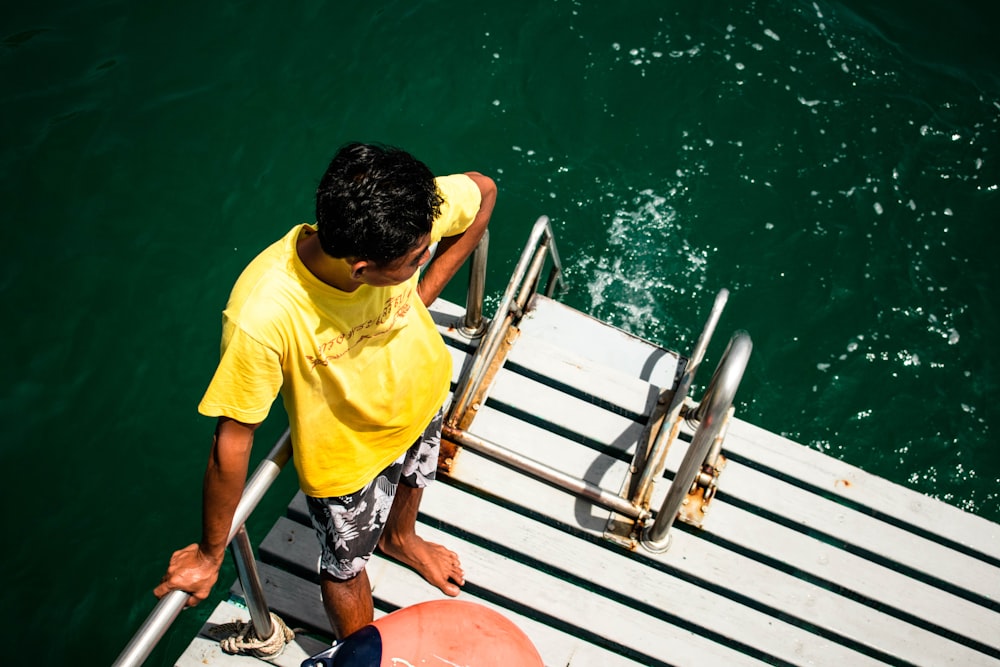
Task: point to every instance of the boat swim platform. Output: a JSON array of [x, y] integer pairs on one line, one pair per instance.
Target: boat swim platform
[[801, 559]]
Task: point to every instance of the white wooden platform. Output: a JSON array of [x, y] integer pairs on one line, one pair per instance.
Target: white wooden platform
[[803, 559]]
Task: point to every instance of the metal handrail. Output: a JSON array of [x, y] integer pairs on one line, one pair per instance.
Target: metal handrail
[[546, 473], [171, 605], [714, 407], [526, 273], [246, 569], [472, 322], [655, 461]]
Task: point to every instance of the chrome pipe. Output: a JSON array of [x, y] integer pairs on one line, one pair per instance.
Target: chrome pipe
[[721, 393], [546, 473], [159, 620], [555, 274], [261, 480], [712, 458], [555, 277], [657, 455], [472, 323], [170, 606], [533, 275], [469, 384], [253, 592]]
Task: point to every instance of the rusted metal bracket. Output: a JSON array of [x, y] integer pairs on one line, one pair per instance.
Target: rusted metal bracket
[[462, 422], [447, 455], [694, 507]]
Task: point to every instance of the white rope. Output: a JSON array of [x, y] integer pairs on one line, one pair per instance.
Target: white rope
[[240, 638]]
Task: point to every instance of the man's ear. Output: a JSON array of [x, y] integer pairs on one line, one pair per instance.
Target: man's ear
[[358, 268]]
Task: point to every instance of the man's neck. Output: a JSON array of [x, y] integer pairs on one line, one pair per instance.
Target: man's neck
[[334, 272]]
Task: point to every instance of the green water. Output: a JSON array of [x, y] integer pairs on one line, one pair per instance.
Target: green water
[[835, 165]]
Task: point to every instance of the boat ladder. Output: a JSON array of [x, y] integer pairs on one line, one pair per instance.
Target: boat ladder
[[696, 481]]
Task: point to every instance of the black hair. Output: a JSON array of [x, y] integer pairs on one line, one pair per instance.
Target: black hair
[[374, 203]]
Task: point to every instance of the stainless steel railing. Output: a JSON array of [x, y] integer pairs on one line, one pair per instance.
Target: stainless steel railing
[[578, 487], [171, 605], [653, 462], [523, 283], [472, 323], [712, 413]]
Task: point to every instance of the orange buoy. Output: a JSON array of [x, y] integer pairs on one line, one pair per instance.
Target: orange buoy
[[439, 632]]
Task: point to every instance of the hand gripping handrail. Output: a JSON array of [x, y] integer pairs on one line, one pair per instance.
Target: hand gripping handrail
[[171, 605], [714, 407], [522, 283]]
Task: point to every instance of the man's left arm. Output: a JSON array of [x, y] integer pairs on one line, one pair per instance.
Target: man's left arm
[[452, 251]]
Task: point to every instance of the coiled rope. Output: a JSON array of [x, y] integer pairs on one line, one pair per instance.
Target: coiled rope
[[240, 638]]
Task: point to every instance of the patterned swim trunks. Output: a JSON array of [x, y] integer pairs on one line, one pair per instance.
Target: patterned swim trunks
[[349, 527]]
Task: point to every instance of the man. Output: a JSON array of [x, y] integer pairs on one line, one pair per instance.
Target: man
[[334, 317]]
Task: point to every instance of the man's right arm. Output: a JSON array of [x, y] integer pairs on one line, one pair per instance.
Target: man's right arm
[[195, 568]]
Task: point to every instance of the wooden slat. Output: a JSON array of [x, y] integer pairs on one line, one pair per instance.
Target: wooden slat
[[563, 411], [570, 413], [836, 477], [552, 596], [811, 511], [856, 575], [597, 342], [601, 384]]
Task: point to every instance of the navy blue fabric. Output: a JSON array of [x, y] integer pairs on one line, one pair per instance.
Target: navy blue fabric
[[361, 649]]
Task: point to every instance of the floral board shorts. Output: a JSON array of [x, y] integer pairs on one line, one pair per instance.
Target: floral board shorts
[[349, 527]]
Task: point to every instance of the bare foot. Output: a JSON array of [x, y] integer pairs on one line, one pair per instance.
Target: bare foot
[[435, 563]]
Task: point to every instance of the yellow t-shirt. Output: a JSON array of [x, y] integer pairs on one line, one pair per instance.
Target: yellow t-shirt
[[361, 373]]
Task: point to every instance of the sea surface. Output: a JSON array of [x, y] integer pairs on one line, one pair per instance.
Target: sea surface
[[835, 165]]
